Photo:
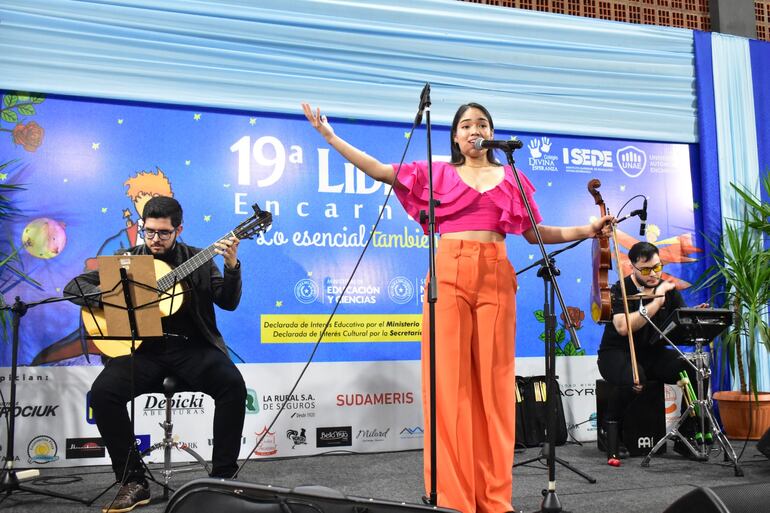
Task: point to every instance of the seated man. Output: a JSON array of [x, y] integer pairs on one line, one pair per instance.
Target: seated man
[[656, 360], [191, 349]]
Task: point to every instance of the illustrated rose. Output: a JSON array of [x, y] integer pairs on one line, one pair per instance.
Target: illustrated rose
[[30, 136], [576, 314]]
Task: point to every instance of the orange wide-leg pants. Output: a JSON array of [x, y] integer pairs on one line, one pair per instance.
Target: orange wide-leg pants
[[475, 377]]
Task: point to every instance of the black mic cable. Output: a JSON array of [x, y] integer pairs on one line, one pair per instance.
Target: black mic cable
[[340, 296]]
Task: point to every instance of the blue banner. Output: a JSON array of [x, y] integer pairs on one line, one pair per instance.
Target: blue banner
[[88, 166]]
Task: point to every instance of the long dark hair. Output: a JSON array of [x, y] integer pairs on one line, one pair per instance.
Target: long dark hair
[[458, 158]]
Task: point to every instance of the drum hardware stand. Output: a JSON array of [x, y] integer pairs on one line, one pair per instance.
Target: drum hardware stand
[[702, 407]]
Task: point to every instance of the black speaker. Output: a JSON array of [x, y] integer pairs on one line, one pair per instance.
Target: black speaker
[[742, 498], [216, 496], [763, 445], [644, 421]]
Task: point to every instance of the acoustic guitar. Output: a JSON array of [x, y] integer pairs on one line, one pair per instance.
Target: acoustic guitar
[[170, 281]]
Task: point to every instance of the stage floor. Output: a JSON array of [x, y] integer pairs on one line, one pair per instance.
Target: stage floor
[[398, 477]]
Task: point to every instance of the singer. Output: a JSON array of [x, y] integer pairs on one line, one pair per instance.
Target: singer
[[476, 308], [656, 361]]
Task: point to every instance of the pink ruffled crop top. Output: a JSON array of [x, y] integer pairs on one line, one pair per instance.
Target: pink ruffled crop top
[[462, 207]]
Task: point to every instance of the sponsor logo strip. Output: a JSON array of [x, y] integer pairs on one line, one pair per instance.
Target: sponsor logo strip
[[340, 436], [84, 448]]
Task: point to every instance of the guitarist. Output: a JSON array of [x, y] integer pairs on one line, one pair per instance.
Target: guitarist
[[191, 349]]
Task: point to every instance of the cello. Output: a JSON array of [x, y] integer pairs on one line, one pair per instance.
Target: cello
[[601, 297]]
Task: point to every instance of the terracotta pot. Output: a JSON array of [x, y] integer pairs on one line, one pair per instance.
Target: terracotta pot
[[739, 411]]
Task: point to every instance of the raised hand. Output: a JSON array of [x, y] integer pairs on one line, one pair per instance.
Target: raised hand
[[318, 121], [366, 163]]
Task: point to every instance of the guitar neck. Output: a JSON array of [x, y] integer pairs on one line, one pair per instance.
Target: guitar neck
[[186, 268]]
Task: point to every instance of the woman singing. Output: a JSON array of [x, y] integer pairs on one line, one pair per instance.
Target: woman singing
[[480, 204]]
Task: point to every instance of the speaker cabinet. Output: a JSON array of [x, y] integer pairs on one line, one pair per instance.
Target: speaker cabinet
[[644, 422], [216, 495], [742, 498]]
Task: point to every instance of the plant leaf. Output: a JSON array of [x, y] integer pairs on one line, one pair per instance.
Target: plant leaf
[[26, 110], [10, 116], [9, 100]]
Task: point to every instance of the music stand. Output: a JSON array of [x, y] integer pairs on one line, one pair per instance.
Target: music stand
[[143, 293], [131, 312], [695, 326]]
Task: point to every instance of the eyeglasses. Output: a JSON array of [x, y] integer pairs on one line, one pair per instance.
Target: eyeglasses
[[645, 271], [148, 234]]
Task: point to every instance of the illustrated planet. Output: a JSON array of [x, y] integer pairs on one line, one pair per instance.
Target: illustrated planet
[[44, 238]]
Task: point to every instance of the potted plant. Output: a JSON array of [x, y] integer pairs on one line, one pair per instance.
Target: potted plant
[[742, 273], [10, 263]]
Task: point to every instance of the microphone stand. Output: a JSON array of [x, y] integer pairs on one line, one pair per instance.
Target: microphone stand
[[548, 273], [10, 479], [430, 218], [549, 315]]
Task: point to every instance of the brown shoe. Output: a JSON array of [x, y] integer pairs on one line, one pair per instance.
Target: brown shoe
[[129, 496]]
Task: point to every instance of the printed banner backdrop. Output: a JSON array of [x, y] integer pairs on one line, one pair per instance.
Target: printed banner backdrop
[[88, 166], [365, 407]]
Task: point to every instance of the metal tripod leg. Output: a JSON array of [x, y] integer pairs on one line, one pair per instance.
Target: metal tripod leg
[[673, 432], [544, 455], [701, 454], [724, 442], [167, 444]]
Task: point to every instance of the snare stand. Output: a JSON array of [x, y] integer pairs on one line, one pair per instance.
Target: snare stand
[[702, 407]]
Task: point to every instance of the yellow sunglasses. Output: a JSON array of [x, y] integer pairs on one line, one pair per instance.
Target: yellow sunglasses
[[645, 271]]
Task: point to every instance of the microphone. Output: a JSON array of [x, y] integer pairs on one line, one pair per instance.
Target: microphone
[[643, 218], [513, 144], [424, 102]]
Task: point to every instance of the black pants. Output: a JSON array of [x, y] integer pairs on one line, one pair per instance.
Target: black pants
[[201, 366], [659, 363]]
